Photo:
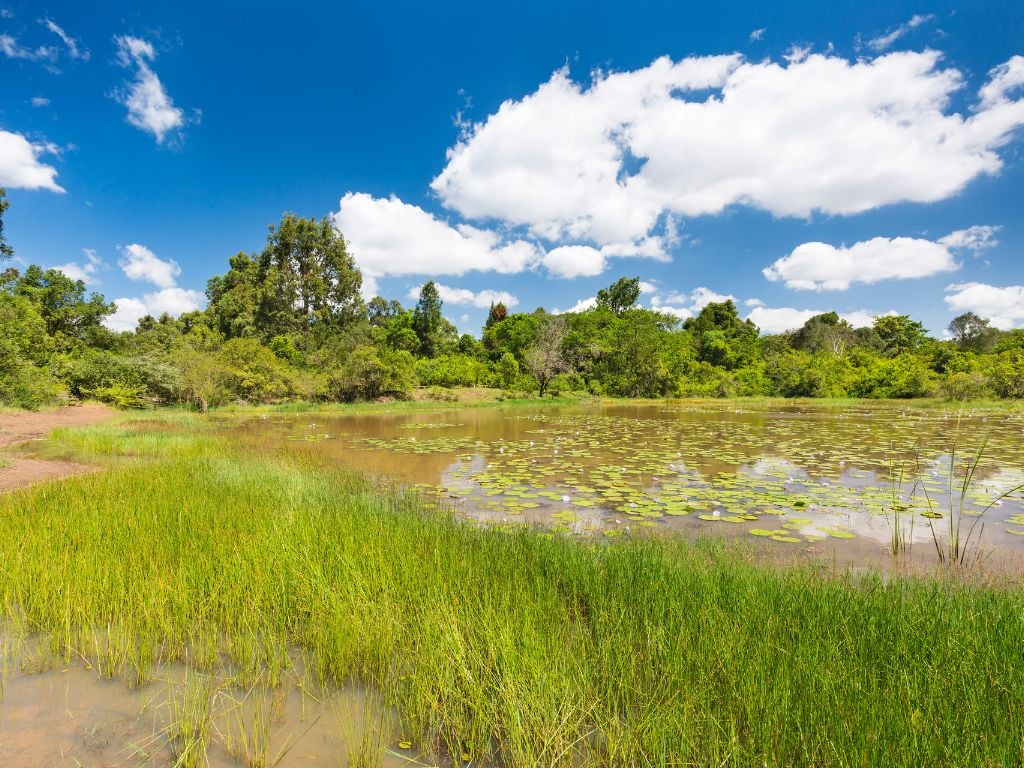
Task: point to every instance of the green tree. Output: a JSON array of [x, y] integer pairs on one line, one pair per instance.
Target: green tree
[[6, 251], [824, 333], [70, 315], [380, 311], [437, 336], [721, 338], [546, 358], [620, 295], [973, 333], [899, 334]]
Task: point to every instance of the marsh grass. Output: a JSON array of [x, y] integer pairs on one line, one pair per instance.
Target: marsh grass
[[511, 648]]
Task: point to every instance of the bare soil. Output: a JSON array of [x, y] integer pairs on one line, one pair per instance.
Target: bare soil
[[20, 427]]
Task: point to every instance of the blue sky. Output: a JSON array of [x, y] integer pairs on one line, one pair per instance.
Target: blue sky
[[863, 157]]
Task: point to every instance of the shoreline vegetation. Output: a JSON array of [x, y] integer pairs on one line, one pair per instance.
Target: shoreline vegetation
[[488, 647], [290, 324]]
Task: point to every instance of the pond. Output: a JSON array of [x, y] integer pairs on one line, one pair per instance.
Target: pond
[[849, 482]]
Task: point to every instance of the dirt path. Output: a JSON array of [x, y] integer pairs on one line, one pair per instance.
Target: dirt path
[[17, 471]]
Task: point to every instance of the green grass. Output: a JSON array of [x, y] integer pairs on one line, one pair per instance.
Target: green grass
[[514, 648]]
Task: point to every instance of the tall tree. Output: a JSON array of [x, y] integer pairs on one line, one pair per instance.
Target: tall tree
[[6, 251], [620, 295], [899, 333], [71, 317], [826, 332], [546, 358], [721, 338], [973, 333], [496, 314], [308, 278], [427, 320]]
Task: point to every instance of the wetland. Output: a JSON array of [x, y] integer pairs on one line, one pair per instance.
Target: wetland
[[603, 583]]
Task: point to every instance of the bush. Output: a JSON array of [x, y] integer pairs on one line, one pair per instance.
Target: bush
[[964, 386]]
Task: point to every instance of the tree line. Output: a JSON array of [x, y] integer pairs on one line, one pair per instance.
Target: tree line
[[289, 324]]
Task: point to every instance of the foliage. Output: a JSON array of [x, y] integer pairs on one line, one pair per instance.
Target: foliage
[[288, 324]]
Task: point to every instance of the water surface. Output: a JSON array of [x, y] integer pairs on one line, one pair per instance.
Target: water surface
[[808, 477]]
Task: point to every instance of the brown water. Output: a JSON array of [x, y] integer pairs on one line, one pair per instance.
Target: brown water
[[803, 478], [70, 716]]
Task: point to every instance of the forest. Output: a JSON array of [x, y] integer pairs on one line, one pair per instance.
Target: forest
[[289, 324]]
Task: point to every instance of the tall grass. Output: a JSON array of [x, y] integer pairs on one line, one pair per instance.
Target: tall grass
[[506, 648]]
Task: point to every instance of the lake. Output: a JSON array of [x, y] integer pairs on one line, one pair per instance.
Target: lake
[[849, 482]]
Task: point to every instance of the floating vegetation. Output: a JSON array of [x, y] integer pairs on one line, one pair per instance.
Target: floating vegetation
[[822, 472]]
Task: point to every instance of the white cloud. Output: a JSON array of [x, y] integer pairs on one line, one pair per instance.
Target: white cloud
[[883, 42], [12, 49], [684, 305], [389, 237], [140, 263], [465, 297], [39, 101], [976, 238], [754, 303], [702, 296], [683, 313], [127, 313], [575, 261], [173, 301], [87, 272], [607, 163], [1003, 306], [150, 108], [823, 267], [772, 320], [757, 34], [75, 50], [20, 167], [580, 306]]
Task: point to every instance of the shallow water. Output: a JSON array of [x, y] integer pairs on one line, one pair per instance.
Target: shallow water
[[71, 716], [804, 478]]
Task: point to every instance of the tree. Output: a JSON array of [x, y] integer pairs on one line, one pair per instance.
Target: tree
[[71, 317], [6, 251], [899, 334], [825, 333], [546, 358], [496, 314], [380, 311], [435, 333], [972, 333], [620, 295], [721, 338]]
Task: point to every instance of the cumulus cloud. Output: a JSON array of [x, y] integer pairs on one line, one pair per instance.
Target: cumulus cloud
[[390, 237], [608, 162], [575, 261], [140, 263], [465, 297], [20, 167], [580, 306], [1004, 307], [823, 267], [772, 320], [39, 101], [87, 271], [684, 305], [150, 108], [883, 42], [757, 34]]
